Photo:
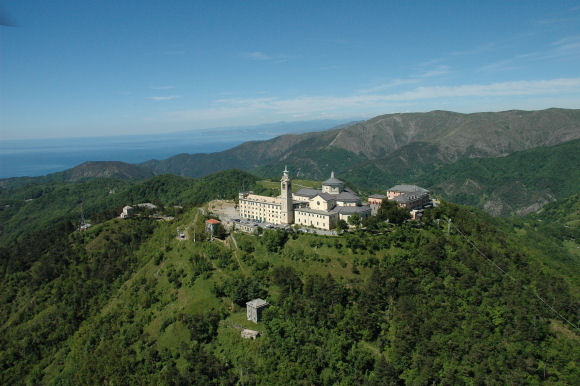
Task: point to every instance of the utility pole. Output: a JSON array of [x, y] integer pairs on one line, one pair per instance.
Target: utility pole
[[448, 225]]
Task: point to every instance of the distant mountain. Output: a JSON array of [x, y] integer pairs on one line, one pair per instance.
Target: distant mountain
[[410, 143], [91, 169], [106, 169]]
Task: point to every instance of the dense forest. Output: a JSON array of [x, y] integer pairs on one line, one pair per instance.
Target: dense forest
[[127, 302]]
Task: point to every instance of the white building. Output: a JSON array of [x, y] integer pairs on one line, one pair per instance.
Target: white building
[[319, 208]]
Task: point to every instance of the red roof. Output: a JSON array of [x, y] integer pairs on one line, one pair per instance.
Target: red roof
[[212, 221]]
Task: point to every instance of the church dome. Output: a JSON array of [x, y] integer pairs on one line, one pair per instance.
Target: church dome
[[332, 181]]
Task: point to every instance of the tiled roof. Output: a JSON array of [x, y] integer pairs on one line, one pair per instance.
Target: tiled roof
[[380, 196], [408, 189], [257, 303], [307, 192], [347, 196], [353, 209], [326, 196]]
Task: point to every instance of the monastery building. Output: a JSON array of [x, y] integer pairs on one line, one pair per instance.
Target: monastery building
[[319, 208]]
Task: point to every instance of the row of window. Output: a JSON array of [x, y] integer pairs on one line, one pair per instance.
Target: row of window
[[247, 213], [253, 203]]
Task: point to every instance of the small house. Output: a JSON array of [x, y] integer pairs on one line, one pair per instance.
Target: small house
[[254, 309], [211, 225]]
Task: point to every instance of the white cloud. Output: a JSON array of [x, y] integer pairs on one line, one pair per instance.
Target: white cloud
[[439, 70], [567, 47], [434, 72], [369, 104], [256, 55], [534, 87], [164, 98]]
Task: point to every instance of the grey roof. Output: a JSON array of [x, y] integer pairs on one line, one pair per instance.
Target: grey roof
[[307, 192], [257, 303], [326, 196], [408, 189], [333, 181], [347, 196], [377, 196], [321, 212], [353, 209]]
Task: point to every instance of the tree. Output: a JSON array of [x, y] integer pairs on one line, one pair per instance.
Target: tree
[[274, 240], [342, 225], [354, 220], [287, 279], [389, 210]]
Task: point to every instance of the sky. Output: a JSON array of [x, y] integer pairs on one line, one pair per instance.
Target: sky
[[90, 68]]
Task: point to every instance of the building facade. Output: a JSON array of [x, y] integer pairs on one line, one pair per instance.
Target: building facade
[[375, 202]]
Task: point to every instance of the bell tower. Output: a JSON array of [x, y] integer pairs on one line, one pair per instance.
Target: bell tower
[[287, 210]]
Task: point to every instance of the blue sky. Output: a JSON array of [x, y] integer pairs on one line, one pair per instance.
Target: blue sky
[[86, 68]]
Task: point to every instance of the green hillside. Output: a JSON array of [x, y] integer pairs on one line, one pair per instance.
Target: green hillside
[[28, 207], [516, 184], [127, 303]]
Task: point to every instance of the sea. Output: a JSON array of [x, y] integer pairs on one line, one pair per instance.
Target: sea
[[33, 158], [39, 157]]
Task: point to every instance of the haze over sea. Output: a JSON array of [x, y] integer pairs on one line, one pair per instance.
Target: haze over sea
[[38, 157]]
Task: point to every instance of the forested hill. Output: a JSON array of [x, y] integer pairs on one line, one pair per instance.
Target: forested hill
[[517, 184], [127, 303], [447, 136], [28, 207]]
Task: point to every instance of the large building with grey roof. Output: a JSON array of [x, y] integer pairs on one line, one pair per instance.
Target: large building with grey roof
[[409, 196], [319, 208]]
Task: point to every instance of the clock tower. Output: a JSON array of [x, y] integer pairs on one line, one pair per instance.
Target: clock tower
[[287, 209]]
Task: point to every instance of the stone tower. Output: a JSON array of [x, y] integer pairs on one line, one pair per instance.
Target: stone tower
[[287, 210]]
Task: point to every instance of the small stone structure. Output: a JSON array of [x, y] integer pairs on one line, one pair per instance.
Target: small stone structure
[[127, 212], [250, 334], [211, 225], [254, 309]]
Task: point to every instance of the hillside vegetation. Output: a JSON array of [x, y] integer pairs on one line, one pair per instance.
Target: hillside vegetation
[[28, 207], [127, 303], [520, 183]]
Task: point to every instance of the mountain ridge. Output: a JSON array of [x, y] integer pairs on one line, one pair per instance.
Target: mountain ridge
[[454, 135]]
